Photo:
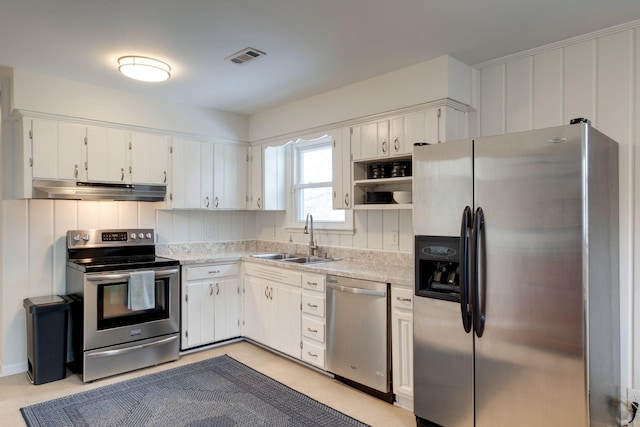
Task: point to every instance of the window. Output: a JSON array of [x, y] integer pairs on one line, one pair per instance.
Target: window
[[312, 183]]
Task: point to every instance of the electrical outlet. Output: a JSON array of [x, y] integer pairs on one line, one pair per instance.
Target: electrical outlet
[[394, 238], [633, 395]]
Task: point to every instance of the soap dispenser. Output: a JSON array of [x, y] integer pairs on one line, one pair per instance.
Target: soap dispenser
[[291, 249]]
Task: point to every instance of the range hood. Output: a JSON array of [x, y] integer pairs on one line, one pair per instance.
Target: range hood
[[75, 190]]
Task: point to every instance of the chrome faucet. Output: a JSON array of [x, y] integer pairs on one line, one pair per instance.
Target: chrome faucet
[[312, 246]]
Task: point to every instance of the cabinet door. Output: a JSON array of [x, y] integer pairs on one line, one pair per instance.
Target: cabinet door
[[273, 178], [44, 146], [432, 119], [149, 158], [402, 344], [71, 151], [219, 170], [206, 176], [108, 155], [194, 303], [253, 299], [341, 168], [288, 318], [255, 186], [185, 175], [365, 140], [415, 128], [227, 309], [384, 148], [398, 144]]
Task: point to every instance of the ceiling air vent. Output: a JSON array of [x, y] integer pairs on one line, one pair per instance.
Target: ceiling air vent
[[245, 55]]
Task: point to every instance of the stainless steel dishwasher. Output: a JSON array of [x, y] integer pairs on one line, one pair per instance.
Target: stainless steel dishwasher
[[358, 334]]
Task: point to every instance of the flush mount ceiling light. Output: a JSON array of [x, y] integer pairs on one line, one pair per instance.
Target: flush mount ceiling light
[[144, 69]]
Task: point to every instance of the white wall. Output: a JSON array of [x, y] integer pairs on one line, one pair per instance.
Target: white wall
[[443, 77], [52, 95], [597, 77]]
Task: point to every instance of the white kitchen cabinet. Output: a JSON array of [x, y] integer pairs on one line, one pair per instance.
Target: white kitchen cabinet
[[186, 174], [229, 176], [370, 140], [313, 319], [58, 149], [267, 181], [211, 304], [402, 345], [398, 144], [274, 296], [341, 168], [108, 156], [206, 176], [149, 158]]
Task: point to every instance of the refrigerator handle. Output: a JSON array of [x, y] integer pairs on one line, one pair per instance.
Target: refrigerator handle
[[464, 269], [478, 273]]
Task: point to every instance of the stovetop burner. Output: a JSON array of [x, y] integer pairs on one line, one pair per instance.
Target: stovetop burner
[[120, 249]]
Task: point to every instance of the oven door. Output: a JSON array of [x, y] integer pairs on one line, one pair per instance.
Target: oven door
[[108, 320]]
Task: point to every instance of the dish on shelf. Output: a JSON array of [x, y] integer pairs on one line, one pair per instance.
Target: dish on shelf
[[377, 197], [402, 197]]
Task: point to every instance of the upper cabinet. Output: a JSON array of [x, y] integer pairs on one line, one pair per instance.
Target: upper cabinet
[[382, 152], [58, 149], [267, 178], [208, 176], [108, 155], [149, 158], [341, 153]]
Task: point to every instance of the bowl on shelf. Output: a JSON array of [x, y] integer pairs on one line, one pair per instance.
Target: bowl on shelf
[[402, 197]]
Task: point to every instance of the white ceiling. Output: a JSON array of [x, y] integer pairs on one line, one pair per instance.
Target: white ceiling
[[312, 45]]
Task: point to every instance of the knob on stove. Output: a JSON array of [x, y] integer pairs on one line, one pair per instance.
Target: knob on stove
[[86, 237], [140, 235], [134, 236], [148, 235], [76, 238]]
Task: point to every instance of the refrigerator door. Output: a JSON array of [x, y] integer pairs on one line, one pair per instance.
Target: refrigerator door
[[530, 360], [443, 352]]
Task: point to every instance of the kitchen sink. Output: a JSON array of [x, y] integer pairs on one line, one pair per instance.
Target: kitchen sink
[[270, 256], [307, 259]]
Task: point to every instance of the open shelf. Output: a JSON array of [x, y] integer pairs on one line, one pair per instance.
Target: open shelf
[[381, 207]]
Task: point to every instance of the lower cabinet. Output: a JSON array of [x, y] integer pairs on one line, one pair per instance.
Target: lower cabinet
[[211, 304], [313, 319], [272, 299], [402, 345]]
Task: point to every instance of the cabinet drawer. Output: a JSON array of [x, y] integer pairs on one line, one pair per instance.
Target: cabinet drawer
[[313, 354], [313, 282], [213, 270], [313, 304], [313, 328], [275, 274], [402, 297]]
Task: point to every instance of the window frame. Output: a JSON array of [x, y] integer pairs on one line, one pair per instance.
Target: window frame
[[297, 147]]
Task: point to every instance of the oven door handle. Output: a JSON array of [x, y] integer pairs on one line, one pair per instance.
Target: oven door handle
[[125, 276], [120, 351]]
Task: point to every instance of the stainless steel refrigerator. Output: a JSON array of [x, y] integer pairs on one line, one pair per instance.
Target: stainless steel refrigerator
[[516, 317]]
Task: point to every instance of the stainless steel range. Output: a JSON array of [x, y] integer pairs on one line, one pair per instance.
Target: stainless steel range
[[126, 309]]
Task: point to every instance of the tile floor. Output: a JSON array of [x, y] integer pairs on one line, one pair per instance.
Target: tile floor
[[17, 392]]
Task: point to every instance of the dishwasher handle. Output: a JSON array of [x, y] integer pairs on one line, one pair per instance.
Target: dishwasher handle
[[359, 291]]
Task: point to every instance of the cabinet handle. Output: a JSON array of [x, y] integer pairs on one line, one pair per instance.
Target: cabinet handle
[[346, 199], [214, 272], [216, 199], [396, 144], [312, 354], [165, 176], [121, 174], [75, 173], [313, 331], [210, 289], [206, 201], [259, 202], [217, 289], [266, 292], [271, 292], [403, 299], [311, 283], [313, 306], [384, 147]]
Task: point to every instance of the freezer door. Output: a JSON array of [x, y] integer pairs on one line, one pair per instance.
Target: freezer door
[[442, 187], [443, 364], [530, 360]]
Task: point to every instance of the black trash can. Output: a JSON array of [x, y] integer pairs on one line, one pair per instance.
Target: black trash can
[[47, 324]]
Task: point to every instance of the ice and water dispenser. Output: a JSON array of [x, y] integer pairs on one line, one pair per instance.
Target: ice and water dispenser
[[437, 267]]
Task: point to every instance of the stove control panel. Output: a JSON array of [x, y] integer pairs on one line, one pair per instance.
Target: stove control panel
[[110, 238]]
